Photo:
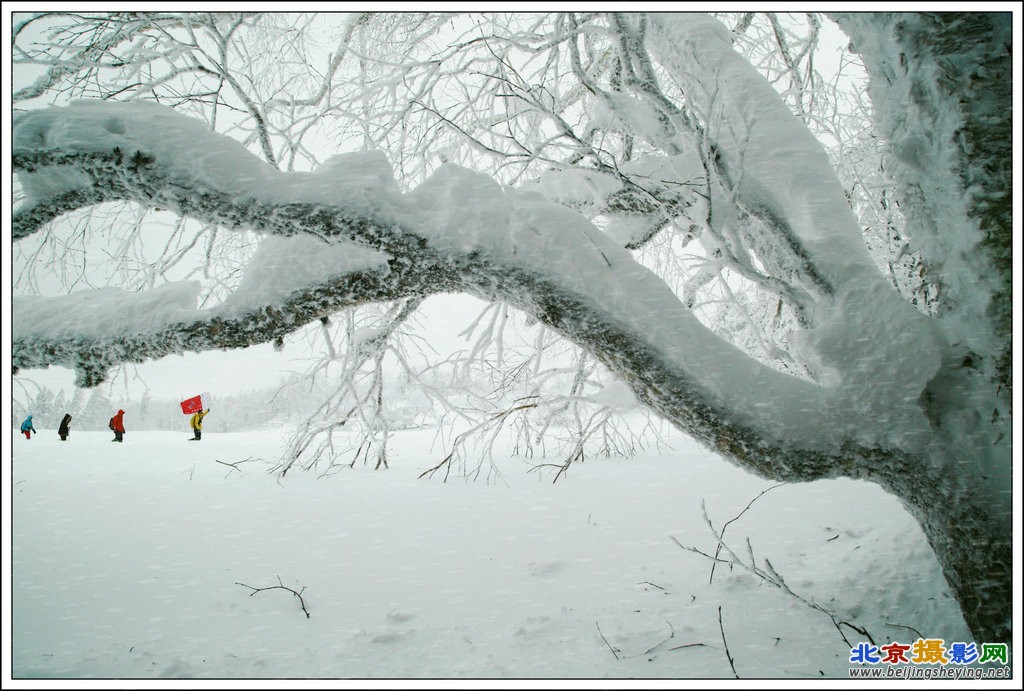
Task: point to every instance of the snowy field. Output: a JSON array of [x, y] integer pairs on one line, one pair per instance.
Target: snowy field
[[129, 562]]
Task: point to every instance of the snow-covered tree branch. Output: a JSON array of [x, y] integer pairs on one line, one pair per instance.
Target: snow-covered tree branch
[[540, 162], [397, 243]]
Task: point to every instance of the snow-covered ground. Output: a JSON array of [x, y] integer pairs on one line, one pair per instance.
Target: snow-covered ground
[[139, 560]]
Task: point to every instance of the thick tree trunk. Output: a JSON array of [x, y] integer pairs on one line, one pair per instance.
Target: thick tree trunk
[[941, 85], [971, 533]]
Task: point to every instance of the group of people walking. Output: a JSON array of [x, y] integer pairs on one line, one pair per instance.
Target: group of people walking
[[116, 426]]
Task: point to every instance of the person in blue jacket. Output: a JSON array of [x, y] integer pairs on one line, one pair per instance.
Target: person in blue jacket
[[26, 427]]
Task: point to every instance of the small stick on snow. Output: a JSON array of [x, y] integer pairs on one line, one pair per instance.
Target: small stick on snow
[[728, 655], [614, 652], [280, 586]]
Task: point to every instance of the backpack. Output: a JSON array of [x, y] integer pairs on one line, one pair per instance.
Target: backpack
[[111, 424]]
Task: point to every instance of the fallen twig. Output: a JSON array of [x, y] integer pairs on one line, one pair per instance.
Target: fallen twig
[[671, 635], [728, 655], [236, 463], [280, 586], [697, 551], [692, 645], [614, 652], [909, 628], [655, 585], [234, 466], [768, 573], [721, 535]]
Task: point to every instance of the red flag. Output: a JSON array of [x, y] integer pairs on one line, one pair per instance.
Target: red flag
[[192, 405]]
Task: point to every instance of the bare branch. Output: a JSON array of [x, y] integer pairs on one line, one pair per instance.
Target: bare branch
[[728, 655], [615, 651], [280, 586]]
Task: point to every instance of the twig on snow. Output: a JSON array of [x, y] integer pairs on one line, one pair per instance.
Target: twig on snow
[[768, 573], [909, 628], [728, 655], [234, 466], [655, 585], [692, 645], [614, 651], [671, 635], [721, 535], [280, 586]]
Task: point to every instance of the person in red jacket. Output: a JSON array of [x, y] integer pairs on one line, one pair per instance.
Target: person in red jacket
[[117, 424]]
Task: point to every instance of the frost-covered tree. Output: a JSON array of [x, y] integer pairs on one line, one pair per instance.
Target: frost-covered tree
[[96, 412], [649, 187]]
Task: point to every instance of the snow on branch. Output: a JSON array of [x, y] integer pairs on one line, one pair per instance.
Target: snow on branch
[[458, 231]]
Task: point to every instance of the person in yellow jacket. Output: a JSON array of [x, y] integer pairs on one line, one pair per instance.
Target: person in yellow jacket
[[197, 424]]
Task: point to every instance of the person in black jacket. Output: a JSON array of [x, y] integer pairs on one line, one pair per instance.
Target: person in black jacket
[[65, 427]]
